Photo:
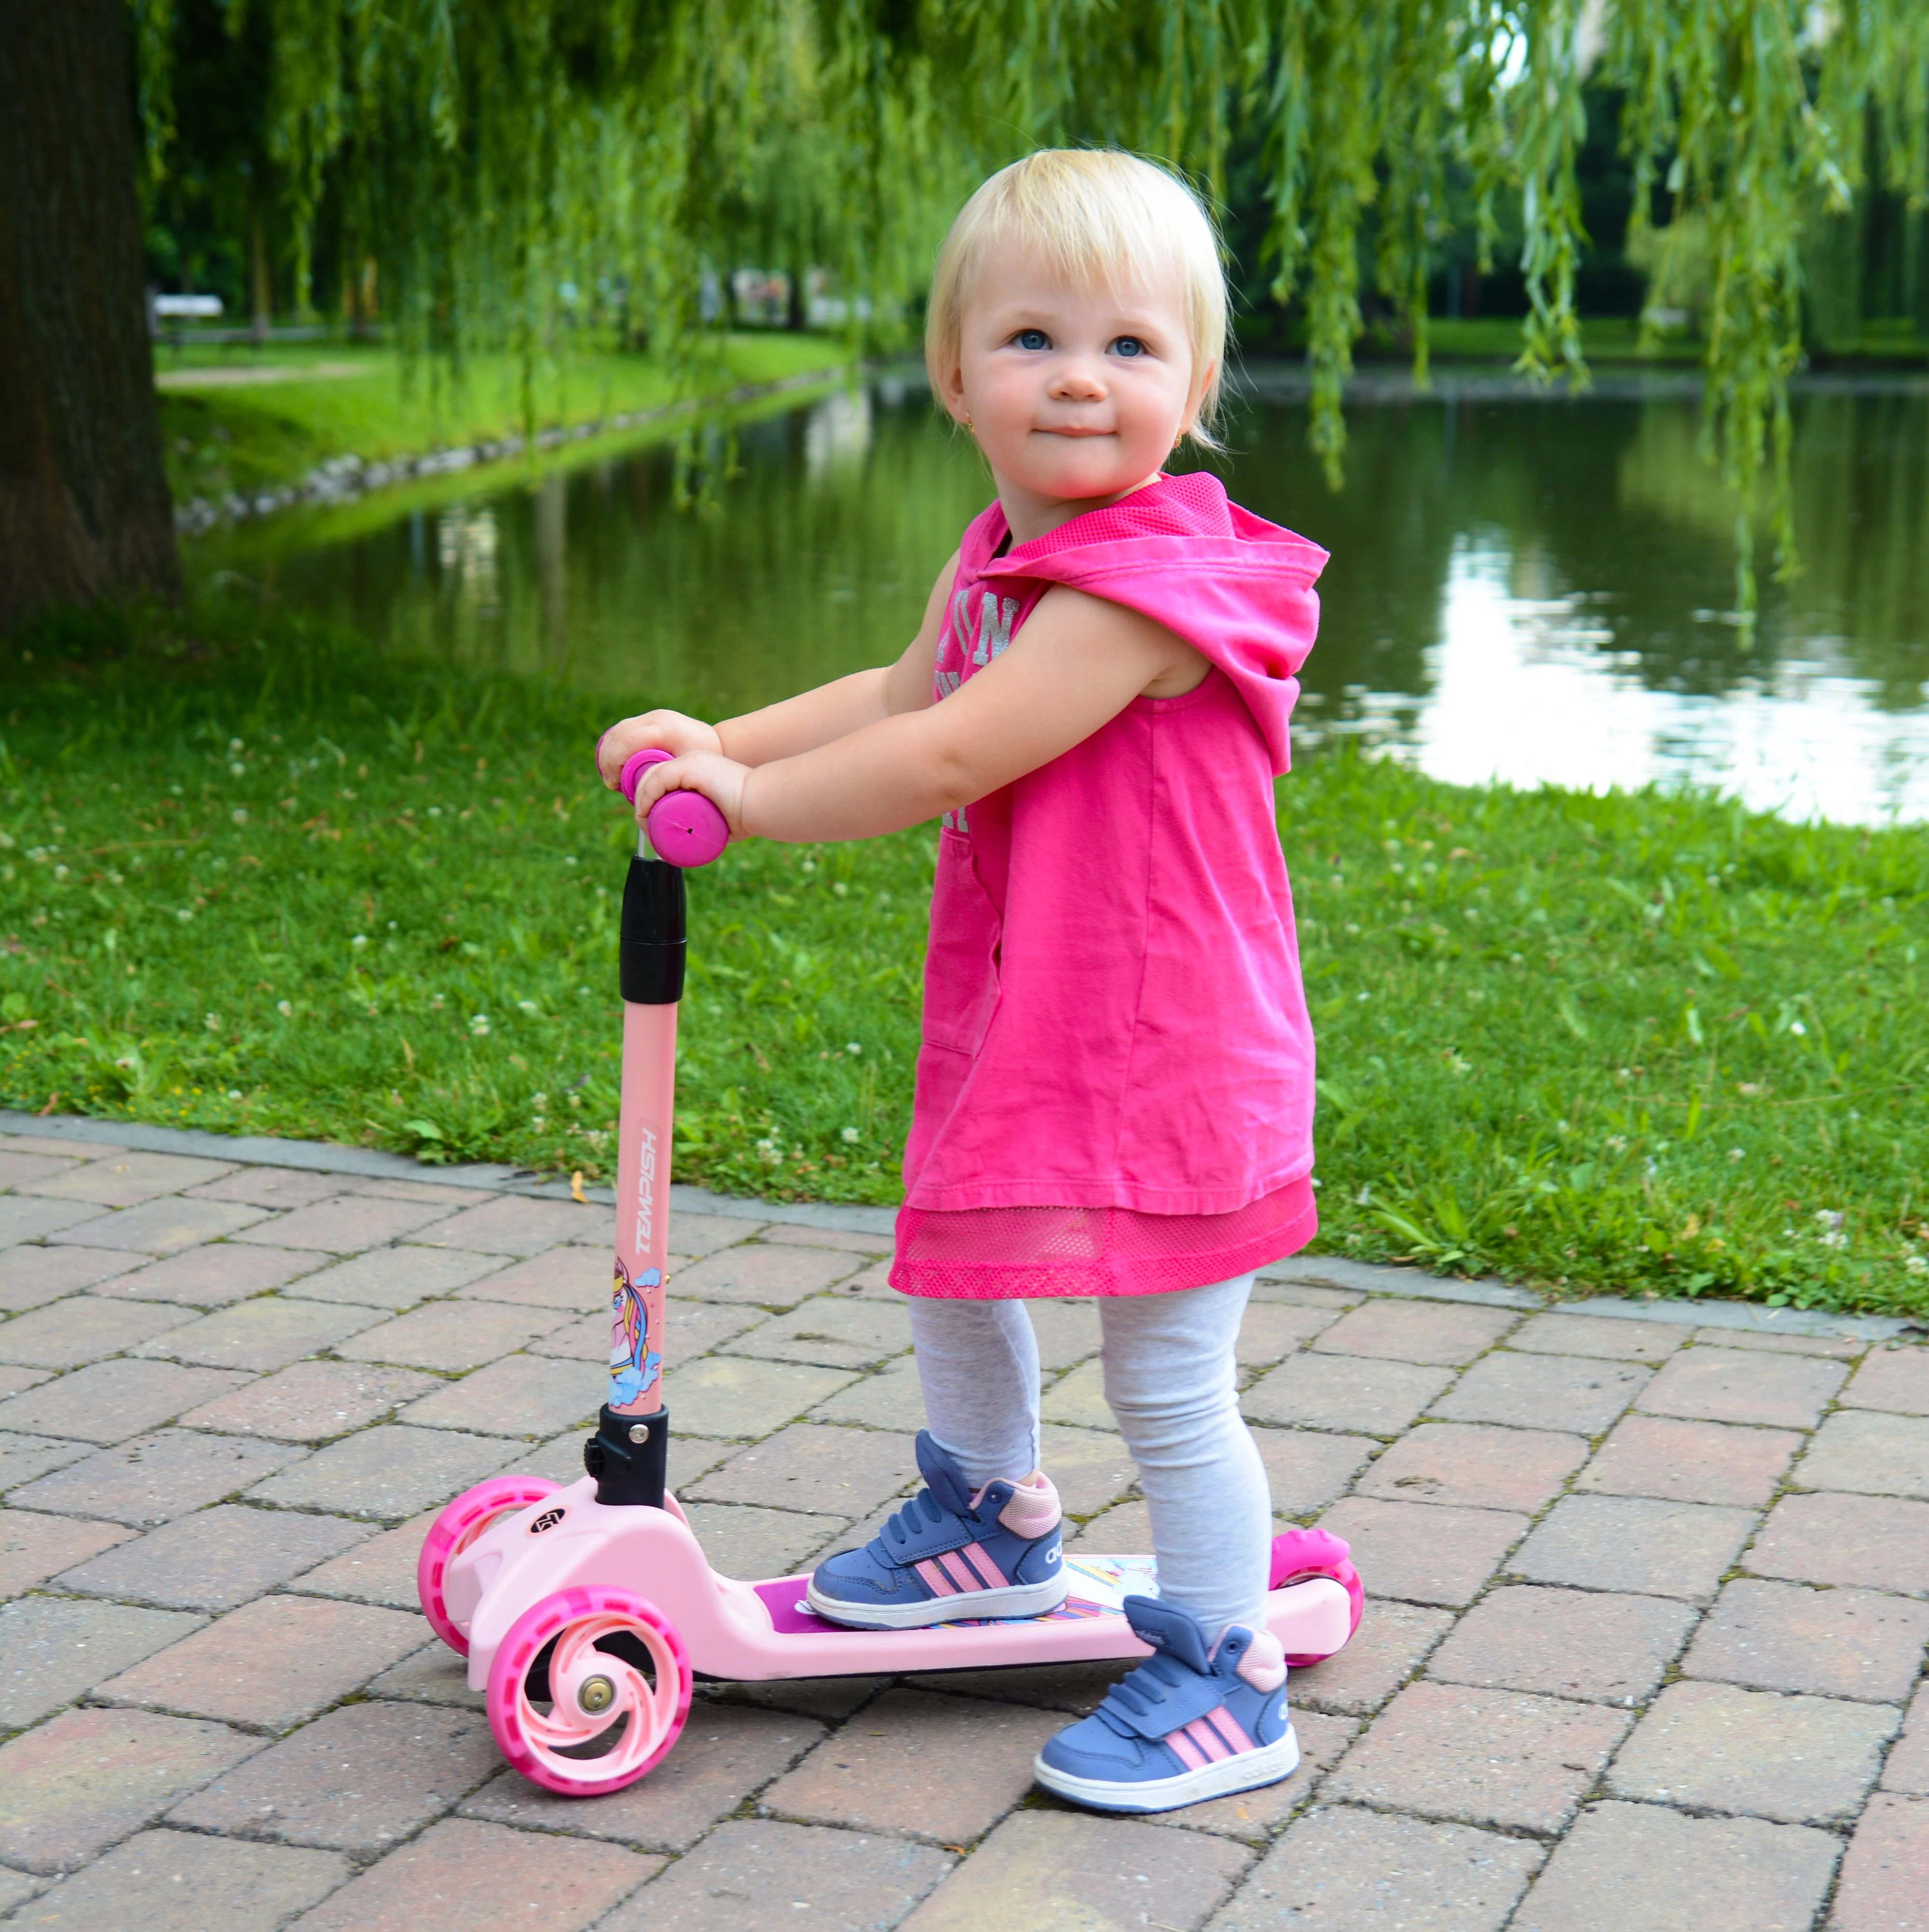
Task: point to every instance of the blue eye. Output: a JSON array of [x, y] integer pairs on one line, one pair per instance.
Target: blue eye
[[1128, 345], [1032, 338]]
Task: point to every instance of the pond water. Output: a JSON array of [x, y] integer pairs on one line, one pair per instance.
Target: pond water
[[1528, 589]]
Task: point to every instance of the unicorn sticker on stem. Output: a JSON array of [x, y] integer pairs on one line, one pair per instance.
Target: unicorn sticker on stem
[[633, 1365]]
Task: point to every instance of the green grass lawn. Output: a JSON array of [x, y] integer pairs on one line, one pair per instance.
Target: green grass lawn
[[253, 878], [222, 435]]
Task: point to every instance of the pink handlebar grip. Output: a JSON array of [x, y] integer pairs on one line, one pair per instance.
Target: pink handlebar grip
[[684, 827]]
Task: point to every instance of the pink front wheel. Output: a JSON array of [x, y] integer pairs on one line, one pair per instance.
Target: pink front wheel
[[1300, 1553], [459, 1525], [589, 1690]]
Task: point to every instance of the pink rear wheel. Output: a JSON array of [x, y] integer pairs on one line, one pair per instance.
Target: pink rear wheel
[[459, 1525], [589, 1690], [1298, 1554]]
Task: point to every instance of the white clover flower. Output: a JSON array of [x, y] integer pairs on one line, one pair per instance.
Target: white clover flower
[[239, 814], [360, 939], [1795, 1027], [850, 1136], [1916, 1265], [285, 1008], [851, 1046], [234, 1093], [526, 1006], [239, 769], [1734, 1153], [185, 914], [479, 1025]]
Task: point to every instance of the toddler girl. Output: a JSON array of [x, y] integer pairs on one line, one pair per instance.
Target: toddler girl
[[1115, 1087]]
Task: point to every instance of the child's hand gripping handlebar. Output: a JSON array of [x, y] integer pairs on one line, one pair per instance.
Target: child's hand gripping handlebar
[[684, 827]]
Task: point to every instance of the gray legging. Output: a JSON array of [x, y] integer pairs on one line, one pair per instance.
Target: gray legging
[[1170, 1380]]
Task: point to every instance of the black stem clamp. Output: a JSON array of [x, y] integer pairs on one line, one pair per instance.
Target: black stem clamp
[[651, 947], [627, 1455]]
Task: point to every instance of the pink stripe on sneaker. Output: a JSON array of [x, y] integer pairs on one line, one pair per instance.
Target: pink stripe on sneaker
[[989, 1574], [957, 1572], [1208, 1740], [1187, 1752], [935, 1580], [1229, 1728]]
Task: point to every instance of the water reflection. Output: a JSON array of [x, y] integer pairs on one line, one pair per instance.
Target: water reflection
[[1530, 590], [1528, 688]]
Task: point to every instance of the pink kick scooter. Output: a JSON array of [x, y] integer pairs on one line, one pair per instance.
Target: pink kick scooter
[[586, 1612]]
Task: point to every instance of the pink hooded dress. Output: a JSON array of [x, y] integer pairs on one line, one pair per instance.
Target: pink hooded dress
[[1115, 1087]]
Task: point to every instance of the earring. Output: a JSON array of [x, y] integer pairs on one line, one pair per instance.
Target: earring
[[968, 423]]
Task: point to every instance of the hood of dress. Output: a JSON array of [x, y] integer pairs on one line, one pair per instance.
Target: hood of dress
[[1238, 589]]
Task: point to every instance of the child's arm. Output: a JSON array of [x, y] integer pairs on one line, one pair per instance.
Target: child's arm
[[1078, 663], [800, 724]]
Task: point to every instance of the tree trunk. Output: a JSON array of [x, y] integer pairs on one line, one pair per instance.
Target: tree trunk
[[260, 281], [84, 509]]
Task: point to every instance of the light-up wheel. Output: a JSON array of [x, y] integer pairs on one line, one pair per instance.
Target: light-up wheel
[[459, 1525], [588, 1690], [1298, 1554]]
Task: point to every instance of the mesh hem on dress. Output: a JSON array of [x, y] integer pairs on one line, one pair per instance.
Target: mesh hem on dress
[[1009, 1254]]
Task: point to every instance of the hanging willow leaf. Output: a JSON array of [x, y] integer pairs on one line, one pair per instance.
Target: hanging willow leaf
[[522, 171]]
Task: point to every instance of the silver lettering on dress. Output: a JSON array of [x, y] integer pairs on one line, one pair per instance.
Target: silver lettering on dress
[[996, 616]]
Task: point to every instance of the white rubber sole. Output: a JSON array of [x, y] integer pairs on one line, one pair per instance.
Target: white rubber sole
[[1015, 1600], [1247, 1771]]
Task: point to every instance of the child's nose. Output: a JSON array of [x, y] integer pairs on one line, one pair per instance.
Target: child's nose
[[1077, 380]]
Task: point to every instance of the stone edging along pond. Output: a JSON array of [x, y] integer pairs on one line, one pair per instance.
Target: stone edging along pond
[[342, 478], [1313, 1270]]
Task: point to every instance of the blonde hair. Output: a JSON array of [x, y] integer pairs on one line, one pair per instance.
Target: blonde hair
[[1096, 216]]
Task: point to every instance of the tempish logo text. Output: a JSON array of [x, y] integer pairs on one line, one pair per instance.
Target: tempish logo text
[[646, 1193]]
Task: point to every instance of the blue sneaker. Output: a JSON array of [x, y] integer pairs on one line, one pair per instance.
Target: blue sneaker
[[947, 1555], [1184, 1726]]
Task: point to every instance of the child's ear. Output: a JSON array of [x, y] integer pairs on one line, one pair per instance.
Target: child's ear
[[1202, 388], [951, 392]]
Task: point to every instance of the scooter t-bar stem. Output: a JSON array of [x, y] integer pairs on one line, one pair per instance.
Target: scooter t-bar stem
[[626, 1455]]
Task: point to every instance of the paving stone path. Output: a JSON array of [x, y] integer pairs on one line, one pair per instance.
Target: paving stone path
[[1644, 1648]]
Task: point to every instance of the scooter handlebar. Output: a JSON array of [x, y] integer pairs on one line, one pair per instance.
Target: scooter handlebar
[[684, 827]]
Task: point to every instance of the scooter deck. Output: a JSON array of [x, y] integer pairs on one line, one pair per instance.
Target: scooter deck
[[756, 1631]]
